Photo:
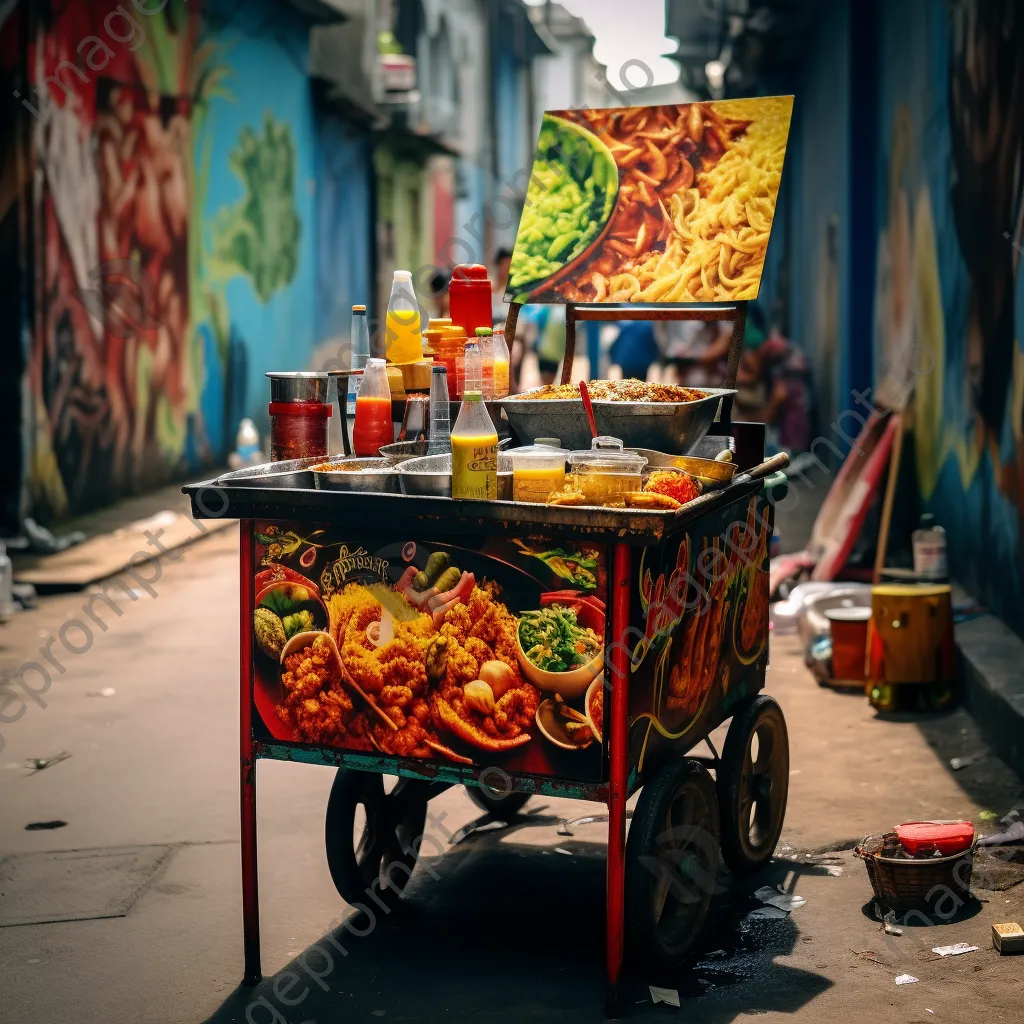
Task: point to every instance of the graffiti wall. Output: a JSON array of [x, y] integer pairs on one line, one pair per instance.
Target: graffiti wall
[[950, 297], [173, 148]]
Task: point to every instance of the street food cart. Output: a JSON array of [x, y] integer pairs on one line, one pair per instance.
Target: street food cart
[[374, 680], [548, 648]]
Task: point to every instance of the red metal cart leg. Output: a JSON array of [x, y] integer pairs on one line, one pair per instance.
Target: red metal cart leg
[[247, 764], [618, 784]]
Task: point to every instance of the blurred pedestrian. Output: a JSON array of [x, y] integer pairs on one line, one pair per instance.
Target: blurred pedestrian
[[499, 282], [550, 346], [635, 349], [439, 293]]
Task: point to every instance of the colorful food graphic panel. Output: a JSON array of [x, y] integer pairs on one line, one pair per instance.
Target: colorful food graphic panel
[[488, 654], [651, 204], [699, 629]]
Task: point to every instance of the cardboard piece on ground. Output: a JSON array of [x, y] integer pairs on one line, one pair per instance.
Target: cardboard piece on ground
[[107, 554]]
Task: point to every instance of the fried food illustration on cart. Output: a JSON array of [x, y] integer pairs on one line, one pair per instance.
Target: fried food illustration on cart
[[428, 668]]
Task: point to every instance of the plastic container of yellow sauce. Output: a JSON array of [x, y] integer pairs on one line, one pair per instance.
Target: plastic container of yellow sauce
[[606, 473], [537, 471]]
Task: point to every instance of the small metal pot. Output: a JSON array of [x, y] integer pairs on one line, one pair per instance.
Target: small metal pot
[[298, 386], [372, 476], [431, 476]]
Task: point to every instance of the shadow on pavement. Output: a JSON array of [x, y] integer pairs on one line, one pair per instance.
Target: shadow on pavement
[[499, 930]]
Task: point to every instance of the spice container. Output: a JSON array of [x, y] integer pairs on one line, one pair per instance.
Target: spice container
[[299, 412], [450, 352], [537, 471], [606, 473]]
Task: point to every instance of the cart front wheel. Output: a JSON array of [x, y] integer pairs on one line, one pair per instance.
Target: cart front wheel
[[372, 835], [671, 863], [753, 784], [500, 806]]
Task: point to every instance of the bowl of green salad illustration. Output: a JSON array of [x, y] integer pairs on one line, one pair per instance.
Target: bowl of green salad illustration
[[569, 204]]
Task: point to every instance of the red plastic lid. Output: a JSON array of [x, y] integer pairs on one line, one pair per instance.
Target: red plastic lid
[[464, 272], [948, 837]]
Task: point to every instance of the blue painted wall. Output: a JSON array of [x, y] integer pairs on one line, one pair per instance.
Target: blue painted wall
[[264, 48]]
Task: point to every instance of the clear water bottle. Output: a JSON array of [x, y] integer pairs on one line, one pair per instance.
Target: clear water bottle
[[359, 353], [440, 436]]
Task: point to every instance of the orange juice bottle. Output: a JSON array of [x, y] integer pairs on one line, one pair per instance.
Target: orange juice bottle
[[403, 339], [373, 427], [474, 439]]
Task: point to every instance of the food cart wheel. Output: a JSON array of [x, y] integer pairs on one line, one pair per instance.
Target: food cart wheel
[[372, 835], [494, 803], [753, 784], [671, 863]]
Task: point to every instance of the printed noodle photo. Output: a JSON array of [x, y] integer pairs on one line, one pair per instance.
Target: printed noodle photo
[[651, 204]]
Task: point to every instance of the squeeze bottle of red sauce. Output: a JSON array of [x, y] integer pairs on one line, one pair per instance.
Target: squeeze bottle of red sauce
[[373, 427]]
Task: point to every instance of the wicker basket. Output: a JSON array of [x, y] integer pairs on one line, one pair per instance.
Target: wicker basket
[[899, 881]]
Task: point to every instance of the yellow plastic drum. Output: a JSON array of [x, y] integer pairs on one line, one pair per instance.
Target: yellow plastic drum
[[910, 643]]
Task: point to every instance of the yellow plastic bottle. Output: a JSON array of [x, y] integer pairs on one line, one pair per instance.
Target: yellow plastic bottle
[[474, 440], [403, 337]]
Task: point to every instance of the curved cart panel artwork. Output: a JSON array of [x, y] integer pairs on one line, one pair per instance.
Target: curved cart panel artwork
[[702, 624]]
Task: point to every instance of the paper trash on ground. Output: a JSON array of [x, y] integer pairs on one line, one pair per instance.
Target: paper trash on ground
[[784, 901], [906, 979], [668, 996], [955, 950], [767, 914]]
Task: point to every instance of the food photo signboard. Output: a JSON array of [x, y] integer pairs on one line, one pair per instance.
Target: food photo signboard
[[482, 655], [651, 204], [701, 616]]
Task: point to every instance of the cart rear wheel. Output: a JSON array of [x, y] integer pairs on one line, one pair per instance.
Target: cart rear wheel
[[508, 805], [372, 835], [753, 784], [671, 863]]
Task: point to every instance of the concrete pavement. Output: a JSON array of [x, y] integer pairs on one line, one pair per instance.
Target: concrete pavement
[[509, 930]]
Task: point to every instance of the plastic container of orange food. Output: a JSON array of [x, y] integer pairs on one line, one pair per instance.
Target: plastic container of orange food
[[924, 838]]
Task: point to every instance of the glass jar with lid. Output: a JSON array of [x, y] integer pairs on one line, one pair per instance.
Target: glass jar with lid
[[606, 473]]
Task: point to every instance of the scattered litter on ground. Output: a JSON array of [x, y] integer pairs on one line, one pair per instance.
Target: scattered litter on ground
[[783, 901], [42, 826], [107, 691], [955, 950], [959, 763], [932, 1012], [668, 996], [870, 955], [835, 872], [888, 921], [1013, 834], [766, 914], [485, 826], [906, 979], [562, 849], [37, 764], [988, 816], [1008, 938]]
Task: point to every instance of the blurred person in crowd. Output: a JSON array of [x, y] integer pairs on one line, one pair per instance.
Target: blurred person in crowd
[[550, 344], [499, 282], [693, 351], [635, 349], [439, 293]]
